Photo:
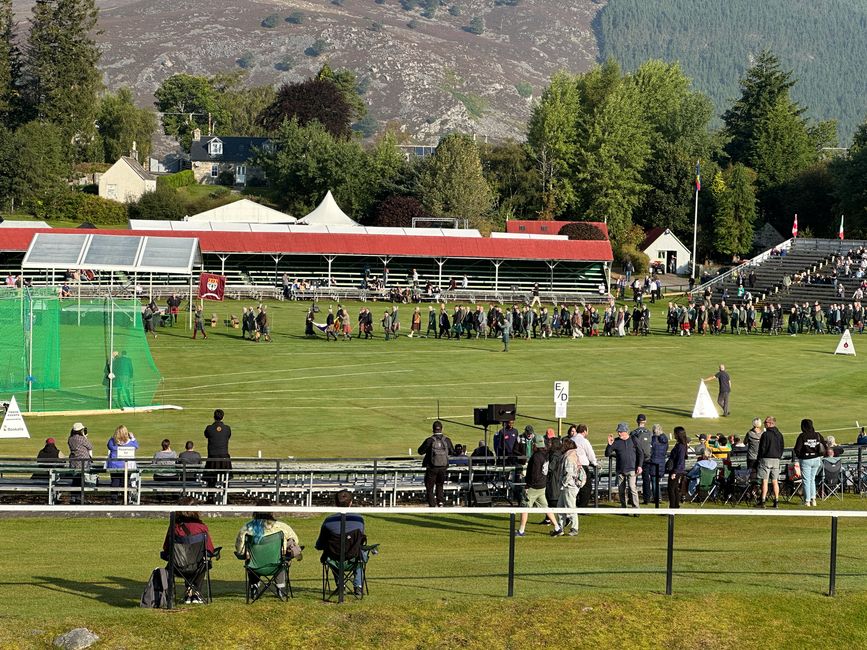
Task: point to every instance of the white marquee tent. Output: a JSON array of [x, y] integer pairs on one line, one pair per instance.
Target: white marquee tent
[[243, 211], [328, 213]]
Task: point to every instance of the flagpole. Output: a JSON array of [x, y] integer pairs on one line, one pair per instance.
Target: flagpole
[[694, 232]]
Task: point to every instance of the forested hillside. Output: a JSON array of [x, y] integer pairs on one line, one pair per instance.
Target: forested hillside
[[822, 41]]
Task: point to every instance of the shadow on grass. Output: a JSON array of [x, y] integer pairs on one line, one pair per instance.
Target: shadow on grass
[[667, 409], [442, 522]]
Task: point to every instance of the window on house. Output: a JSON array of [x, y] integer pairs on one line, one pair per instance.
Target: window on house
[[522, 228], [216, 148], [215, 171], [544, 228], [111, 191]]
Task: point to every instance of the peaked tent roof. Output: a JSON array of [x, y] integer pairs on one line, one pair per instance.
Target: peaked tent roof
[[243, 211], [328, 213]]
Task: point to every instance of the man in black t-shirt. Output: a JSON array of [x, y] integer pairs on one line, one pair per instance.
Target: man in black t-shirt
[[218, 435], [725, 387]]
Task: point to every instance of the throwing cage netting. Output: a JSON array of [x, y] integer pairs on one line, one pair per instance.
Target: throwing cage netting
[[73, 354]]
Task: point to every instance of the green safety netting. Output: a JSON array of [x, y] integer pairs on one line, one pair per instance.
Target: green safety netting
[[68, 355]]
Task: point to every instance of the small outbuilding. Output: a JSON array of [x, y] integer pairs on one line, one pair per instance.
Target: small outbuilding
[[666, 250], [126, 181]]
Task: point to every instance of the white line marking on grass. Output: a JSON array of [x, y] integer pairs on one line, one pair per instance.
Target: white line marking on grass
[[272, 380], [259, 372]]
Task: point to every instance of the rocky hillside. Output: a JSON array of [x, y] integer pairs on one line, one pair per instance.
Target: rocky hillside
[[431, 74]]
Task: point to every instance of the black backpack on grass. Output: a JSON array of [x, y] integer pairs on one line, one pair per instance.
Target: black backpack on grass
[[156, 593]]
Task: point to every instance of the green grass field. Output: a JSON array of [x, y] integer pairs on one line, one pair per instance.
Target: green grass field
[[440, 581], [299, 397]]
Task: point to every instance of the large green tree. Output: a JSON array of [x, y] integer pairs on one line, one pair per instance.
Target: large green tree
[[552, 139], [34, 165], [240, 104], [514, 180], [850, 187], [307, 161], [453, 184], [8, 59], [121, 123], [734, 199], [187, 102], [61, 79]]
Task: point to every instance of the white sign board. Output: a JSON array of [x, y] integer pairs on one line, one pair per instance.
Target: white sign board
[[704, 406], [13, 423], [125, 453], [845, 345], [560, 410], [561, 392]]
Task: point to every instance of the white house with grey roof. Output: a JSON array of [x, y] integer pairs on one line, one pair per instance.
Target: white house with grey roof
[[126, 181]]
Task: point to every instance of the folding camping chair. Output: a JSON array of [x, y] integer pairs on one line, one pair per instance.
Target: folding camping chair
[[740, 486], [354, 566], [832, 479], [189, 560], [707, 484], [264, 562], [794, 483]]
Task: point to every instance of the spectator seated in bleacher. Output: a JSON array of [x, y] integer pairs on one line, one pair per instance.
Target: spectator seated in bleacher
[[49, 455], [705, 462], [720, 447], [165, 457], [460, 457], [483, 450], [831, 443], [189, 456]]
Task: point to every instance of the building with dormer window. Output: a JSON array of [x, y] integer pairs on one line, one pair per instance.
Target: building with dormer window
[[225, 158]]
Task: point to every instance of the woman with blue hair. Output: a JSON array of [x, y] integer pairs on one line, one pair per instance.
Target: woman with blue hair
[[262, 525]]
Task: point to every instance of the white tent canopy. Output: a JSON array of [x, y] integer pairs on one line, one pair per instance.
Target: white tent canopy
[[243, 211], [328, 213]]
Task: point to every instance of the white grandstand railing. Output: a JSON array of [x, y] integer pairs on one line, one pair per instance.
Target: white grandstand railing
[[755, 261], [670, 513]]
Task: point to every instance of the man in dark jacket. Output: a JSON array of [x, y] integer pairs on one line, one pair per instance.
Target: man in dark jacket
[[770, 452], [218, 435], [436, 450], [628, 462], [537, 481], [655, 469], [642, 437]]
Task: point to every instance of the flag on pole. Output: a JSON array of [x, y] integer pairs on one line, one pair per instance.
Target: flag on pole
[[211, 286], [697, 176], [795, 226], [840, 234]]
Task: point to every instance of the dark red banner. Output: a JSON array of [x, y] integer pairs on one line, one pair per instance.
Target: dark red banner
[[212, 286]]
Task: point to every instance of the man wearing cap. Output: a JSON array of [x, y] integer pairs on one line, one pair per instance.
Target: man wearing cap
[[537, 481], [629, 460], [436, 450], [725, 387], [643, 438]]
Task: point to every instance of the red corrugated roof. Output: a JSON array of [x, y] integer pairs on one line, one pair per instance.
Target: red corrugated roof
[[18, 239], [541, 227]]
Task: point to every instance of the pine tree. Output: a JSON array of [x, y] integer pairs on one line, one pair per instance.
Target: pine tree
[[8, 57], [734, 198], [453, 184], [61, 77]]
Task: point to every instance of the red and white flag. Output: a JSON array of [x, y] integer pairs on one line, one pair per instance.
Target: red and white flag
[[840, 234], [795, 227], [212, 286]]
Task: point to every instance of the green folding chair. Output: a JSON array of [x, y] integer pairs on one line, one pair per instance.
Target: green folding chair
[[707, 484], [264, 562]]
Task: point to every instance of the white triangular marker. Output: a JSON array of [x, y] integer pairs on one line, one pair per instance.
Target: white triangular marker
[[13, 423], [845, 346], [704, 406]]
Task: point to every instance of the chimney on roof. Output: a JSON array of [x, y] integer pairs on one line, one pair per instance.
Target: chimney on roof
[[197, 134], [133, 151]]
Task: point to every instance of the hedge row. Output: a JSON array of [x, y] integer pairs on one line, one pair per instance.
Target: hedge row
[[174, 181]]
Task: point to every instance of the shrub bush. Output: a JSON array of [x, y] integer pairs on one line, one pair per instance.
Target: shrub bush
[[174, 181], [163, 204], [295, 18], [640, 260], [271, 21], [582, 231], [524, 88], [71, 205]]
